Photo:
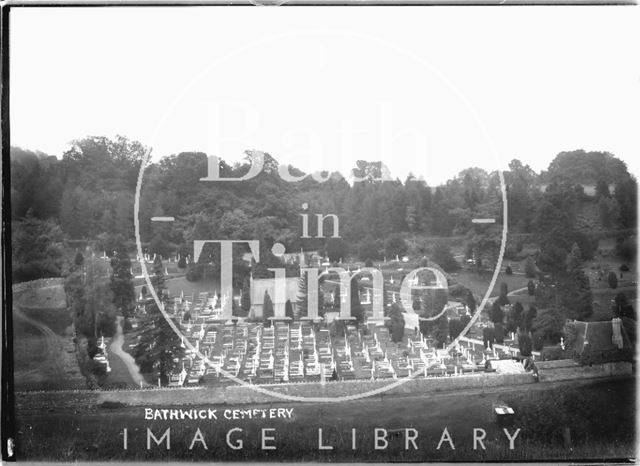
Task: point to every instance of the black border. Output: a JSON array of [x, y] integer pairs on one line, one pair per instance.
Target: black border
[[7, 413], [7, 398]]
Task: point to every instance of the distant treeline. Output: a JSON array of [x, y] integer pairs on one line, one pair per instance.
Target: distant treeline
[[88, 194]]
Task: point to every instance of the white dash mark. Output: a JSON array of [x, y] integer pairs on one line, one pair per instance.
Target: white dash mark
[[162, 219], [483, 220]]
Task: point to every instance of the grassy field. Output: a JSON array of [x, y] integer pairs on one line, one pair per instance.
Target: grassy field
[[479, 283], [176, 285], [43, 351], [62, 435]]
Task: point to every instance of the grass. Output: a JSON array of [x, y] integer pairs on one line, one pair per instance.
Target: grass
[[176, 285], [479, 283], [57, 319], [98, 434]]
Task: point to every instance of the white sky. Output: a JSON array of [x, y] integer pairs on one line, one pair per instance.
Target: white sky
[[323, 87]]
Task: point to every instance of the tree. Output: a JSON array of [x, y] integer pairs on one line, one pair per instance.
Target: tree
[[37, 249], [396, 323], [496, 314], [549, 325], [441, 330], [303, 309], [160, 246], [531, 287], [613, 280], [524, 344], [602, 189], [574, 291], [369, 249], [288, 309], [357, 310], [471, 302], [455, 327], [488, 336], [508, 270], [157, 280], [395, 245], [529, 317], [443, 256], [160, 348], [336, 249], [245, 300], [622, 308], [518, 314], [182, 263], [504, 291], [267, 307], [124, 296], [79, 259], [530, 267], [499, 332]]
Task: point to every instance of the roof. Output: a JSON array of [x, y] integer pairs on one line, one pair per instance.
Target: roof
[[599, 338]]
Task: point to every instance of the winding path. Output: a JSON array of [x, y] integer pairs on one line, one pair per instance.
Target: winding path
[[54, 343], [115, 349]]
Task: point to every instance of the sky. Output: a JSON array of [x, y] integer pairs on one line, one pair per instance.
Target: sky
[[427, 90]]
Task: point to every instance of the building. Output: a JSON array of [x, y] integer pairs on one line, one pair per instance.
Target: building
[[598, 342]]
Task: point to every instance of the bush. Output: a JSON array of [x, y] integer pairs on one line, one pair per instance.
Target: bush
[[395, 245], [443, 256], [524, 344], [531, 288], [537, 341], [508, 270], [613, 280], [569, 334], [530, 268], [182, 263], [194, 273], [624, 268], [498, 332], [488, 335], [369, 249], [336, 249]]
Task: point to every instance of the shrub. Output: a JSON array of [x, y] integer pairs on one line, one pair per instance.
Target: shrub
[[531, 287], [525, 344], [498, 332], [530, 268], [569, 334], [182, 263], [613, 280], [194, 273], [79, 259], [395, 245], [508, 270], [537, 341], [443, 256], [488, 335]]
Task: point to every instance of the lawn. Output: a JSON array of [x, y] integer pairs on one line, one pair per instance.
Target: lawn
[[98, 434], [479, 283], [176, 285]]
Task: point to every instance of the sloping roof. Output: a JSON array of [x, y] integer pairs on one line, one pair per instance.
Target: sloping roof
[[599, 336], [260, 285]]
